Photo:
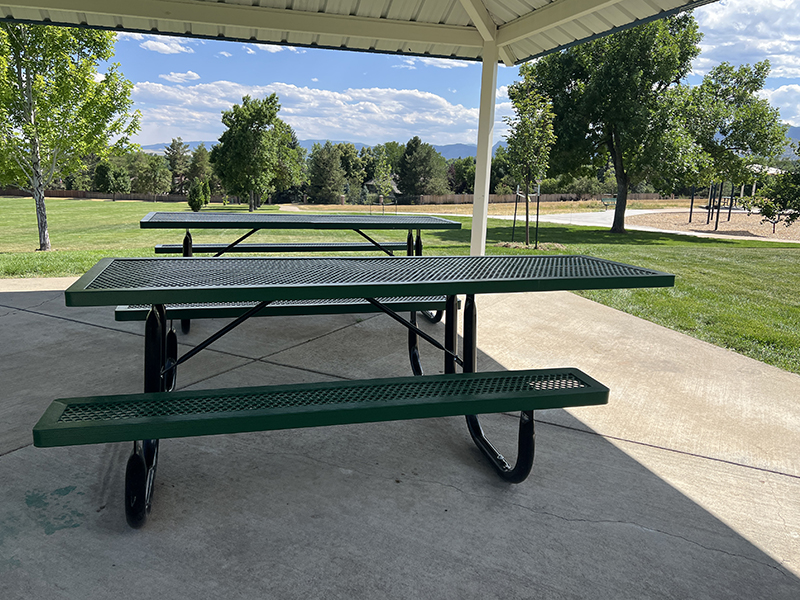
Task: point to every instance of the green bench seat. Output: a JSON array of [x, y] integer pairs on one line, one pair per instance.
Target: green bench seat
[[119, 418], [288, 247]]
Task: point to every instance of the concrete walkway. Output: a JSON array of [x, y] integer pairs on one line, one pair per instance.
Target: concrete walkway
[[686, 485]]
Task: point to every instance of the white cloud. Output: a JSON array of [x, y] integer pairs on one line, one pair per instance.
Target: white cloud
[[787, 99], [272, 48], [370, 115], [181, 77], [169, 47], [746, 32], [314, 79], [249, 50], [444, 63], [125, 35], [501, 93], [439, 63], [225, 54], [408, 63]]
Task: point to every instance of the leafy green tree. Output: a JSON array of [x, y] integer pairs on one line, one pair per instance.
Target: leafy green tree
[[382, 177], [779, 199], [111, 179], [177, 155], [290, 162], [152, 175], [244, 158], [326, 177], [422, 170], [461, 175], [394, 152], [195, 195], [352, 164], [367, 156], [200, 165], [55, 108], [605, 97], [731, 122], [530, 137]]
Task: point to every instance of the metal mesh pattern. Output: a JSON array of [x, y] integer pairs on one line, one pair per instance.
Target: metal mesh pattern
[[375, 394], [258, 220], [265, 272]]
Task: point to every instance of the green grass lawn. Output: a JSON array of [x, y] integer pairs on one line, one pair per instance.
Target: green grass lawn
[[739, 294]]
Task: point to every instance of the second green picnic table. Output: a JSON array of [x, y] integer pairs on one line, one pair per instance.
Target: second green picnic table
[[257, 221]]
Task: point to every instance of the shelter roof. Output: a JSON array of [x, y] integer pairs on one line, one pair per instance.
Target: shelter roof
[[458, 29]]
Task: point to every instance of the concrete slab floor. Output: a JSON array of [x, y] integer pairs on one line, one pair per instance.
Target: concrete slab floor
[[679, 488]]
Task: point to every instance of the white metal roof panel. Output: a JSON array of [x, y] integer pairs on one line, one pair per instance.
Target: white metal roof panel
[[523, 29]]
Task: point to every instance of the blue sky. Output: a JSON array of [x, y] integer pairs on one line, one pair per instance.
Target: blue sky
[[181, 85]]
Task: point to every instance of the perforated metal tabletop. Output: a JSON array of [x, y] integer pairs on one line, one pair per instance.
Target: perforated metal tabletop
[[116, 281], [212, 220]]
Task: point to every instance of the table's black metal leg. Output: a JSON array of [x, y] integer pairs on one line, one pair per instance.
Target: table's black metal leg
[[141, 468], [186, 324], [451, 334], [413, 347], [520, 471], [433, 317]]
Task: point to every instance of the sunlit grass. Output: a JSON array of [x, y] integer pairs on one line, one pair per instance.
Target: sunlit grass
[[739, 294]]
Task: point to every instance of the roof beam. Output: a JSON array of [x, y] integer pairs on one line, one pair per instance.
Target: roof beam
[[549, 16], [216, 13], [486, 26]]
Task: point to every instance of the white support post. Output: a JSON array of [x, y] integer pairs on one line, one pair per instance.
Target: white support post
[[483, 162]]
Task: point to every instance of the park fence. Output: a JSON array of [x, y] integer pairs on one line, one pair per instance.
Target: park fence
[[105, 196], [506, 198]]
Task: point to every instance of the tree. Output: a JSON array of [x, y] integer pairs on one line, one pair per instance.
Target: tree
[[152, 175], [111, 179], [731, 122], [290, 162], [198, 195], [199, 165], [422, 170], [382, 177], [352, 164], [177, 155], [326, 177], [461, 175], [779, 199], [55, 108], [245, 157], [605, 97], [529, 140]]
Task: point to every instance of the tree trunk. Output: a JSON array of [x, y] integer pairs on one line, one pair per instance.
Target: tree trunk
[[622, 184], [252, 205], [36, 175]]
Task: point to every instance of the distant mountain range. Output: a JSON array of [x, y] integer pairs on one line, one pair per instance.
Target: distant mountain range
[[448, 150]]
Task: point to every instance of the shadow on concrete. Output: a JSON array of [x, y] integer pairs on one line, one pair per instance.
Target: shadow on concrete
[[391, 510]]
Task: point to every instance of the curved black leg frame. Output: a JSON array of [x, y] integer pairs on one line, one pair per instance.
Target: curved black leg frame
[[520, 471], [186, 324], [160, 351], [413, 348]]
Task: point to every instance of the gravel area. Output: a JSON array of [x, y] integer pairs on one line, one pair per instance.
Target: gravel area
[[740, 225]]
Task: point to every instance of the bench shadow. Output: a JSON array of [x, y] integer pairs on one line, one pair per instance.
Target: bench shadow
[[392, 510]]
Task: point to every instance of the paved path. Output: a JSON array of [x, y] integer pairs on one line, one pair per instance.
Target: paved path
[[686, 485]]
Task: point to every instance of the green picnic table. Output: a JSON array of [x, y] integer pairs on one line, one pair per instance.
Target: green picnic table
[[161, 413], [270, 221], [257, 221]]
